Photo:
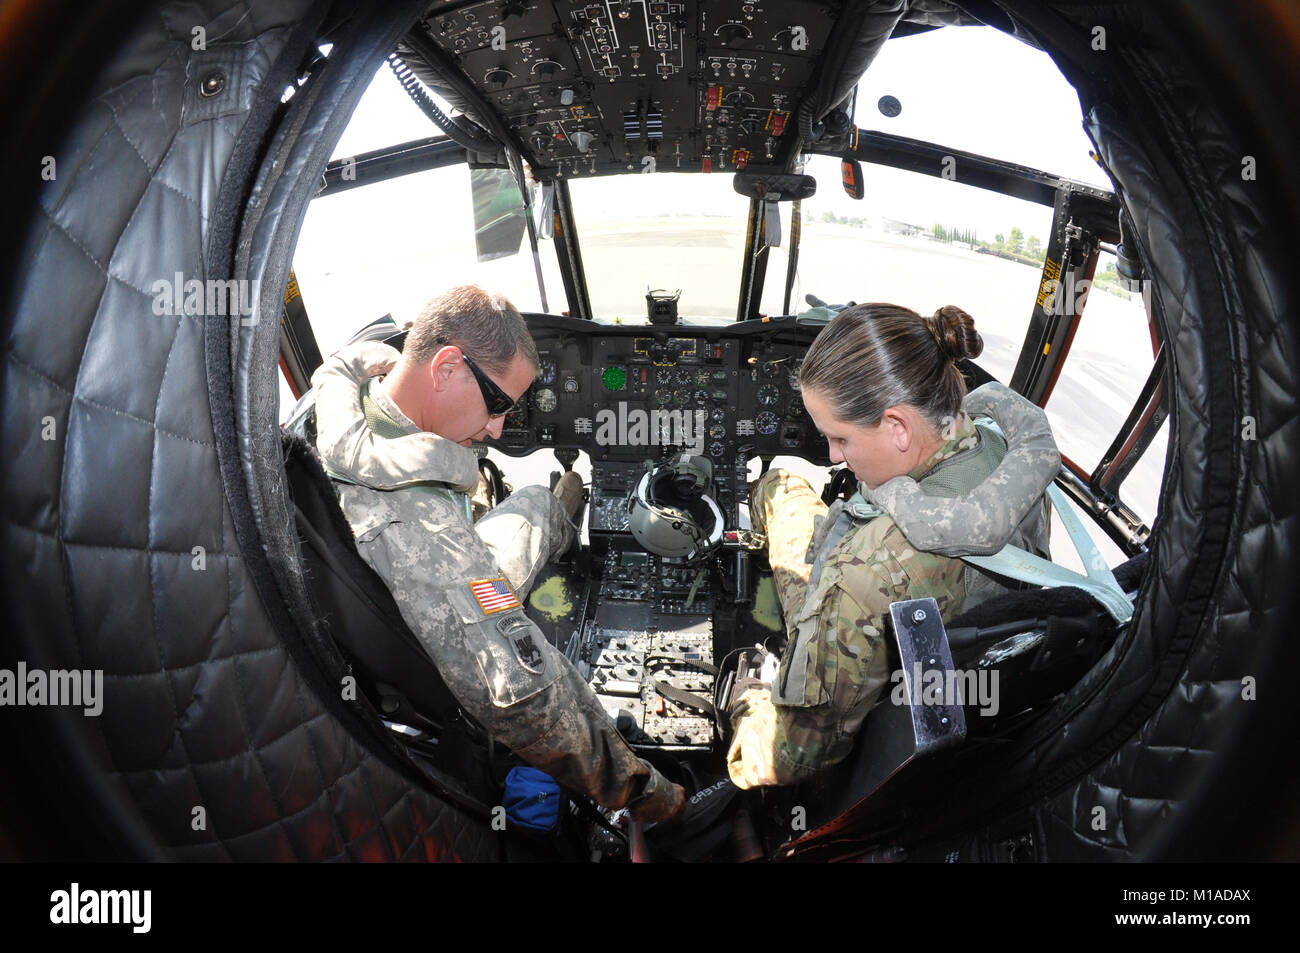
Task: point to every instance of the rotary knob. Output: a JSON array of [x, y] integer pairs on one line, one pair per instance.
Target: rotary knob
[[731, 33]]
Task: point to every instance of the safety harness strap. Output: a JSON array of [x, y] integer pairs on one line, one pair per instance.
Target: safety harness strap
[[1016, 563]]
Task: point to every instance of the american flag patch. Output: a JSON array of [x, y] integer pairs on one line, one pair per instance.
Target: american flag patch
[[493, 595]]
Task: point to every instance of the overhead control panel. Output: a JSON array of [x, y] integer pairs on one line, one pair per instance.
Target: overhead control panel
[[638, 85]]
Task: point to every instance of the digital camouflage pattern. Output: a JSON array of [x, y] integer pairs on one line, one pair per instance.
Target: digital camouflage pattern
[[837, 569], [983, 520], [405, 498], [835, 667]]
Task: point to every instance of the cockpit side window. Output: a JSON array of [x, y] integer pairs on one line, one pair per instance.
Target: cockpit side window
[[387, 247], [979, 90]]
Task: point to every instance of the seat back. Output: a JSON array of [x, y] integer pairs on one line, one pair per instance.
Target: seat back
[[1040, 642], [897, 749]]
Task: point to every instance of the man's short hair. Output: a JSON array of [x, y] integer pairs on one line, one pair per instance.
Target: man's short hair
[[485, 326]]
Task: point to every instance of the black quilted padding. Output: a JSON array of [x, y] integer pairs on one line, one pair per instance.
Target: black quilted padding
[[119, 548], [1157, 753], [1225, 496]]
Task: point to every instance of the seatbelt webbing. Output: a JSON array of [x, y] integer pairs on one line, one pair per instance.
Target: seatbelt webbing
[[1016, 563], [689, 699]]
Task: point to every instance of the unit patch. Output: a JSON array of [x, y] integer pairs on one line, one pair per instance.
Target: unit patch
[[517, 630]]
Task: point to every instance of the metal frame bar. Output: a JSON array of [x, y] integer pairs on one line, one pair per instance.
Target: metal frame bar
[[1128, 531], [407, 158], [1135, 436], [968, 168], [1080, 221], [792, 259], [569, 253], [754, 267]]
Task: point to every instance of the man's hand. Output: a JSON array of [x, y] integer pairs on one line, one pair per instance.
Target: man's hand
[[661, 800]]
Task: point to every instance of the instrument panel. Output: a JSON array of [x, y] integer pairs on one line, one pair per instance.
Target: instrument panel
[[628, 394], [645, 630]]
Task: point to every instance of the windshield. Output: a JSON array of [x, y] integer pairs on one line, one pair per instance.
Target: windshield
[[916, 240], [662, 231]]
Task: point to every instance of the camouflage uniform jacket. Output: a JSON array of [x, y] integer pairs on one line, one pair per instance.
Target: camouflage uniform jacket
[[836, 572], [457, 583]]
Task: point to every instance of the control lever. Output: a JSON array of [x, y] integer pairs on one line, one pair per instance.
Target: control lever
[[744, 540], [744, 579], [566, 457]]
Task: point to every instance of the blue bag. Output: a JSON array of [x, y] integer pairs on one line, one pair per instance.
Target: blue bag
[[532, 799]]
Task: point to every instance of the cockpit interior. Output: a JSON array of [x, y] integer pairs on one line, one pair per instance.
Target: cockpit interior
[[539, 95], [679, 197]]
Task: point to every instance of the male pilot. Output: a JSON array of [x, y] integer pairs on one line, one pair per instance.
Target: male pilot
[[394, 432]]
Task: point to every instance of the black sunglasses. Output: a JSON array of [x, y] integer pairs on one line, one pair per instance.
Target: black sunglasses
[[497, 401]]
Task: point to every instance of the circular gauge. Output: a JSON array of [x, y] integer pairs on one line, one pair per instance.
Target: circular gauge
[[793, 375], [716, 448], [767, 422], [770, 369], [682, 375], [717, 431], [717, 415], [663, 397], [701, 397], [546, 373], [701, 378], [664, 375], [545, 400], [614, 378], [796, 406], [682, 396], [768, 394]]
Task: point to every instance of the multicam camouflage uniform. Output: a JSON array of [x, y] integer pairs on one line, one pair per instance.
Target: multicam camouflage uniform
[[457, 583], [837, 569]]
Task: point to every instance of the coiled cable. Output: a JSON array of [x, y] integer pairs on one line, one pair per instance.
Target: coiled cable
[[475, 139], [809, 131]]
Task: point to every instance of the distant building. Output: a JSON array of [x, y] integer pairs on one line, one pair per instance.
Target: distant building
[[894, 227]]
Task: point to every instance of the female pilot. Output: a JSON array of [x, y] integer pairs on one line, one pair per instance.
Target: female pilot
[[882, 384]]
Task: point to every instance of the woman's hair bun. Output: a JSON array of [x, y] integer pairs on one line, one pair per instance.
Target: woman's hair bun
[[954, 331]]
